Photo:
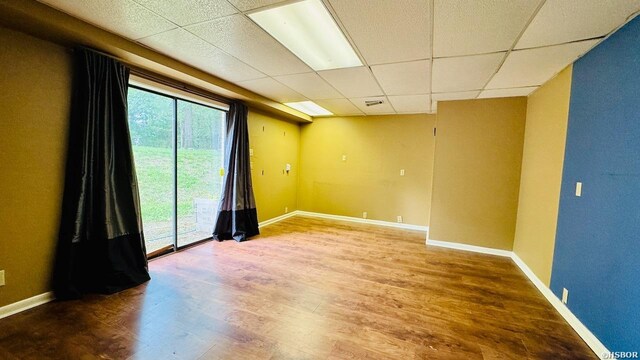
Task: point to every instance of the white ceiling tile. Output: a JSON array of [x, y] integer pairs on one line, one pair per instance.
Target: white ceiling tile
[[387, 31], [534, 67], [245, 5], [384, 108], [272, 89], [188, 48], [352, 82], [460, 95], [243, 39], [339, 106], [122, 17], [310, 85], [463, 27], [499, 93], [185, 12], [464, 73], [411, 103], [404, 78], [561, 21]]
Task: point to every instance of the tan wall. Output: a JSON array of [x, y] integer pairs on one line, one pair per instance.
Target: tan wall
[[542, 161], [35, 98], [275, 143], [36, 85], [477, 171], [377, 148]]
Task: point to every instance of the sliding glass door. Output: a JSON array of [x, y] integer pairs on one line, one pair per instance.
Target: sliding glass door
[[178, 151], [151, 122], [199, 162]]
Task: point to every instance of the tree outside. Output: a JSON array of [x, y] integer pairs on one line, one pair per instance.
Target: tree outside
[[198, 138]]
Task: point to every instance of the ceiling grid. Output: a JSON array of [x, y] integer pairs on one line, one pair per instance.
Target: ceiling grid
[[414, 52]]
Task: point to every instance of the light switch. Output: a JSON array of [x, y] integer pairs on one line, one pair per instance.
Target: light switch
[[288, 167], [344, 157], [250, 152], [578, 188], [565, 295], [401, 172]]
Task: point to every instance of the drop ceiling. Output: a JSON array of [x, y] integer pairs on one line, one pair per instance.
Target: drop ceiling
[[415, 52]]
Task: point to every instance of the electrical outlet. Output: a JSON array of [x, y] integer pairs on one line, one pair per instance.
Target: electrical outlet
[[578, 188], [1, 277], [399, 218], [565, 295], [401, 172], [344, 157], [250, 152], [364, 215], [286, 209]]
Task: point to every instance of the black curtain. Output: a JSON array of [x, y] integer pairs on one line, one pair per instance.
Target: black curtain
[[237, 217], [101, 244]]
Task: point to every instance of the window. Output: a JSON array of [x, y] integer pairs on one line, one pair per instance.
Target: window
[[178, 149]]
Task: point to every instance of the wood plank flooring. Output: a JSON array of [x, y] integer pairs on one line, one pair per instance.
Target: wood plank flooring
[[307, 289]]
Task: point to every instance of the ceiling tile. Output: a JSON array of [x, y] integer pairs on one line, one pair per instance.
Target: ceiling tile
[[185, 12], [411, 103], [384, 108], [389, 31], [188, 48], [404, 78], [460, 95], [463, 27], [340, 106], [122, 17], [499, 93], [533, 67], [272, 89], [352, 82], [245, 5], [561, 21], [243, 39], [464, 73], [310, 85]]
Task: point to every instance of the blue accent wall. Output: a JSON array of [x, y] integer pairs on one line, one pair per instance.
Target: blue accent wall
[[597, 251]]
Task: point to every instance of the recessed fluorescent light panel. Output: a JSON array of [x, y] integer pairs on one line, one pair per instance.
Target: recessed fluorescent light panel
[[309, 107], [307, 29]]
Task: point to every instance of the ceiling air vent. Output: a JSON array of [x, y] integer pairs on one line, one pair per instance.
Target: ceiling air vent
[[373, 102]]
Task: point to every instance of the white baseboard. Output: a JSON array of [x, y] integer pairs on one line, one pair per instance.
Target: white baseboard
[[362, 221], [277, 219], [26, 304], [592, 341], [596, 346], [465, 247]]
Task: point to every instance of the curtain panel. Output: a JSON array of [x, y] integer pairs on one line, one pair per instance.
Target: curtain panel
[[101, 243], [237, 216]]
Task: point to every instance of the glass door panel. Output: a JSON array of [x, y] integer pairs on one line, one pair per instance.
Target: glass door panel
[[199, 159], [151, 124]]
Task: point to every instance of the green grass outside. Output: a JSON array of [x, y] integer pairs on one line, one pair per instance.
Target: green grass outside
[[198, 177]]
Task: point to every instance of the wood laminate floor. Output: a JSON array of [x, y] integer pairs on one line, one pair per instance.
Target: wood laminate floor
[[307, 289]]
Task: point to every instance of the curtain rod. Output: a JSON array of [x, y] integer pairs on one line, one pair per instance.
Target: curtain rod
[[164, 80]]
